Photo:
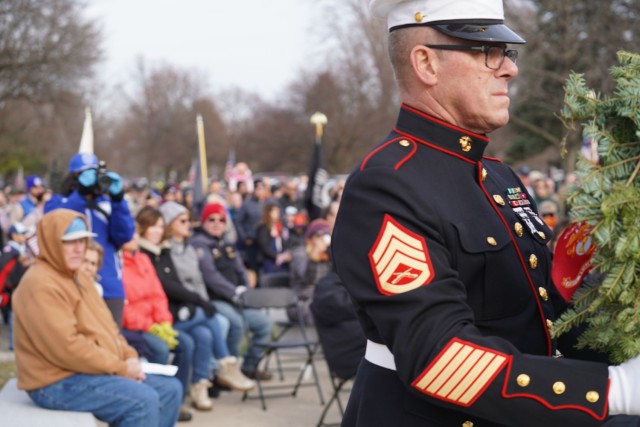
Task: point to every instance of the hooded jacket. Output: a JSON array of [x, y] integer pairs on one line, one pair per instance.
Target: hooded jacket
[[61, 325], [112, 222]]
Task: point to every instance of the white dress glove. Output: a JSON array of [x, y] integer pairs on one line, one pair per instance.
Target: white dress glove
[[624, 388]]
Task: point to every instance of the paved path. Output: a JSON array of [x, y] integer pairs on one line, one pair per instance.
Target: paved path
[[230, 411]]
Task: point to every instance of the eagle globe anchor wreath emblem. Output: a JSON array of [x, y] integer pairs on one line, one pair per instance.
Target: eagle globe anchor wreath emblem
[[399, 259]]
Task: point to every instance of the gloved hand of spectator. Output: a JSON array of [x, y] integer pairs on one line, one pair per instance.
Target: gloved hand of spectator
[[115, 189], [155, 329], [239, 291], [169, 329], [624, 388], [87, 180], [166, 333]]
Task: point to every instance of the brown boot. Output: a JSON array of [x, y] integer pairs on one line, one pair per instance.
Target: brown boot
[[200, 396], [230, 375]]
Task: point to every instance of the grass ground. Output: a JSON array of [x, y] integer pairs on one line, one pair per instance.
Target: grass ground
[[7, 371]]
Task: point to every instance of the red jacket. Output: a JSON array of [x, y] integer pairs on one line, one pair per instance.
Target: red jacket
[[145, 300]]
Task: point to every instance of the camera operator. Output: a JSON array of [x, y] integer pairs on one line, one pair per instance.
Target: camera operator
[[310, 263], [91, 189]]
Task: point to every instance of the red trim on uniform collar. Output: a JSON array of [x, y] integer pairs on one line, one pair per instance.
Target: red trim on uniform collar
[[435, 133], [435, 147], [449, 125], [492, 158]]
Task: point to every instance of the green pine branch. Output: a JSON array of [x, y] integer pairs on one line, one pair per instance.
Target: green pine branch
[[608, 199]]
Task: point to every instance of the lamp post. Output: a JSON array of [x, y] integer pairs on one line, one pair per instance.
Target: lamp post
[[319, 120]]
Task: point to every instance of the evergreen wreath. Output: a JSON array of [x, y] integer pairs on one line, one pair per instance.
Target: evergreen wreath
[[607, 197]]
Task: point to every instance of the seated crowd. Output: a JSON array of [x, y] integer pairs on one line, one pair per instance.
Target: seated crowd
[[143, 278]]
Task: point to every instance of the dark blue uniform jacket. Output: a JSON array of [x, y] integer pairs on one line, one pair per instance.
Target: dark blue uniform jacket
[[444, 254]]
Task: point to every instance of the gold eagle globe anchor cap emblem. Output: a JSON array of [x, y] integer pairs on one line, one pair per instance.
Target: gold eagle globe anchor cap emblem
[[465, 143]]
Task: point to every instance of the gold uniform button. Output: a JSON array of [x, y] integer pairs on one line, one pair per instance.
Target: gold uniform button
[[542, 235], [418, 16], [491, 241], [518, 228], [559, 387], [533, 261], [404, 143], [498, 199], [467, 424], [484, 174], [523, 380], [593, 396], [465, 144], [550, 325], [543, 293]]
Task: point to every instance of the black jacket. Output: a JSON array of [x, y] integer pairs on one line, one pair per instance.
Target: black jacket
[[221, 266], [339, 330], [179, 297], [444, 254]]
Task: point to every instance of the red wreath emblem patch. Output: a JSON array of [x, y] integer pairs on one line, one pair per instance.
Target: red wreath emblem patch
[[399, 259]]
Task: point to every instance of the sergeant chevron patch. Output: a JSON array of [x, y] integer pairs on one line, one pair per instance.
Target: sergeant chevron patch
[[399, 259], [460, 373]]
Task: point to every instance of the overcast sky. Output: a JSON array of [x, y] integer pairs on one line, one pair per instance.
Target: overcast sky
[[256, 45]]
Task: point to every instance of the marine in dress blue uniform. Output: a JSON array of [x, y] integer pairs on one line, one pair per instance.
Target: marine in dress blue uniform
[[445, 257]]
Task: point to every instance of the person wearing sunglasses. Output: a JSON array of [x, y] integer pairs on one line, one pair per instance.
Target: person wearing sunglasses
[[444, 253], [226, 278], [199, 320]]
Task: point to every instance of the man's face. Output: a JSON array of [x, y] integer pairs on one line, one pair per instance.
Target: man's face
[[215, 225], [473, 96], [36, 191], [74, 251], [291, 190], [260, 191]]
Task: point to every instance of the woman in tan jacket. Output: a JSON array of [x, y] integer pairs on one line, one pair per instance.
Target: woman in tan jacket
[[69, 352]]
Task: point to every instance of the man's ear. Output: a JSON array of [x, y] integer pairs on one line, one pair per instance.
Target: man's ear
[[425, 64]]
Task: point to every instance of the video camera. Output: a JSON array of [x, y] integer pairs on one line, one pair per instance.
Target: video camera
[[102, 179]]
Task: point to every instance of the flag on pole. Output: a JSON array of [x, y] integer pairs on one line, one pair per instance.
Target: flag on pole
[[200, 169], [315, 199], [86, 141], [196, 185]]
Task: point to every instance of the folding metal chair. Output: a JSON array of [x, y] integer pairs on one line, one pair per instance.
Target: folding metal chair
[[278, 280], [338, 386], [275, 280], [282, 298]]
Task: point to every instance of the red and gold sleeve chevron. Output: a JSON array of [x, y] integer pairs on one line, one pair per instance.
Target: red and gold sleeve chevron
[[399, 259], [461, 372]]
